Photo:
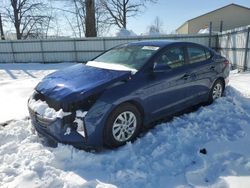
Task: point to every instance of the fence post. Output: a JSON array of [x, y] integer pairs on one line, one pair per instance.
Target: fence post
[[217, 39], [76, 58], [235, 64], [104, 44], [221, 26], [210, 35], [246, 50], [42, 51], [13, 53]]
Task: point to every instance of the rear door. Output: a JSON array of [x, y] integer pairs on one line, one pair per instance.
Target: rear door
[[202, 70]]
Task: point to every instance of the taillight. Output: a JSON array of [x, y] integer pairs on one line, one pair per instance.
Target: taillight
[[226, 62]]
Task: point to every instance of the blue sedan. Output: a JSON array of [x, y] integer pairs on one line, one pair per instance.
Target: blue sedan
[[108, 100]]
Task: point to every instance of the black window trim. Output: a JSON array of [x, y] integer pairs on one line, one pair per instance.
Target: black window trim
[[182, 47], [200, 47], [209, 51]]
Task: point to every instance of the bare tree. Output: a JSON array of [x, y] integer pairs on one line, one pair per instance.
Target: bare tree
[[72, 14], [27, 16], [47, 26], [78, 17], [41, 28], [90, 21], [156, 27], [120, 10], [102, 23], [90, 17]]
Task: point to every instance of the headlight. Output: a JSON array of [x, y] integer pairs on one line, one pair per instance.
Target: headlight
[[79, 121]]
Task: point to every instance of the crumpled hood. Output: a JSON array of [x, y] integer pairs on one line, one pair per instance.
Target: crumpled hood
[[78, 82]]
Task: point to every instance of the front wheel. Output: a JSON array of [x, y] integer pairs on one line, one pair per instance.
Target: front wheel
[[216, 91], [123, 125]]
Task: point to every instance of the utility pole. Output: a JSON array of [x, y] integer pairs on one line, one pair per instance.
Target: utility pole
[[1, 28]]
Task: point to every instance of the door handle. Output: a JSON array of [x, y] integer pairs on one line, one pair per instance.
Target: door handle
[[212, 68], [185, 77]]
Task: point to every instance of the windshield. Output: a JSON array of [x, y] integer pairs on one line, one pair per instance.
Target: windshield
[[125, 57]]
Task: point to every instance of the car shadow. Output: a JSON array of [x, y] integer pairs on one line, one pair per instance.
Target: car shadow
[[28, 73], [10, 74]]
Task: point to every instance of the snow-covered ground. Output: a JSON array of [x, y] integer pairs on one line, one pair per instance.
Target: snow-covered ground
[[17, 82], [166, 156]]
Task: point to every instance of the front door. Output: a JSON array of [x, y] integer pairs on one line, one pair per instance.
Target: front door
[[167, 89]]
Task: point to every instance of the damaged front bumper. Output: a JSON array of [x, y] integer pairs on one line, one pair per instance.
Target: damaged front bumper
[[58, 130], [82, 128]]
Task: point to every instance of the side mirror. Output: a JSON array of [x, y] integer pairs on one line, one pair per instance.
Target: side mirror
[[160, 67]]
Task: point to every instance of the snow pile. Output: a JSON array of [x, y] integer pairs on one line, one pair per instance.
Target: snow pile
[[81, 114], [203, 31], [166, 156], [154, 33], [79, 121], [125, 33], [30, 164], [43, 109]]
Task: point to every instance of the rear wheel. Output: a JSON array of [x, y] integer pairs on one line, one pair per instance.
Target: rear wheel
[[123, 125], [216, 91]]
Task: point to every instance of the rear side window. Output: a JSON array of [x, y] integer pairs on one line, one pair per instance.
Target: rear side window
[[196, 55], [173, 57]]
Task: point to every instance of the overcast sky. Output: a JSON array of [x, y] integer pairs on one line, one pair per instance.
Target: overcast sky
[[173, 13]]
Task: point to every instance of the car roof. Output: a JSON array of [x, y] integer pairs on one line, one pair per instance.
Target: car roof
[[159, 43]]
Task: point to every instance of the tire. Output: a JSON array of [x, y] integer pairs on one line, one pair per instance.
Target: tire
[[216, 91], [123, 125]]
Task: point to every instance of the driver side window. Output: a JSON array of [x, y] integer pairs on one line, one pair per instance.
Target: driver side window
[[173, 57]]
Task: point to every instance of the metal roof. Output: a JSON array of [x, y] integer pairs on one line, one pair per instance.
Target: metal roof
[[232, 4]]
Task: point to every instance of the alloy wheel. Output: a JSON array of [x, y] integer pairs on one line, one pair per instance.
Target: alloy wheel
[[217, 91], [124, 126]]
